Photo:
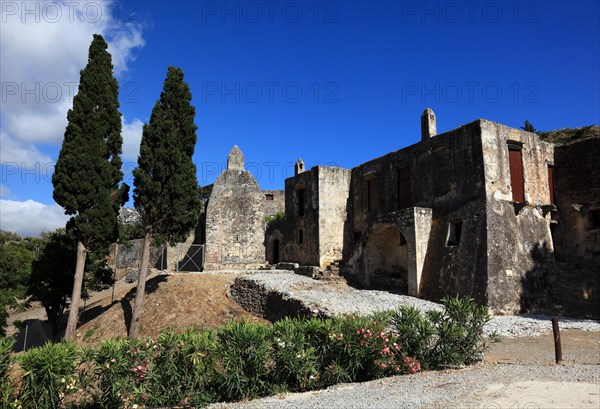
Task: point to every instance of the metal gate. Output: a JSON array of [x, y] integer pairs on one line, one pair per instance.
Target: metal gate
[[190, 259]]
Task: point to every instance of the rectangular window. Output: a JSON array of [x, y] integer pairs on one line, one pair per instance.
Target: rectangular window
[[516, 173], [454, 233], [594, 215], [300, 236], [269, 197], [300, 201], [551, 183], [404, 188], [373, 194]]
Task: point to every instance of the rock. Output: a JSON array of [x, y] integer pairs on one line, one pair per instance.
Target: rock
[[132, 276]]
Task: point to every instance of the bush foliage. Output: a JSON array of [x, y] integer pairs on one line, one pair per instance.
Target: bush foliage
[[243, 360]]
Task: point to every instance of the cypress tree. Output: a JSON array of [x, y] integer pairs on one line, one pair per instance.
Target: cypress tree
[[88, 171], [166, 192]]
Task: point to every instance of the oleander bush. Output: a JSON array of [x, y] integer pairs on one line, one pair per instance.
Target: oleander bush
[[7, 388], [452, 337], [242, 360], [48, 375]]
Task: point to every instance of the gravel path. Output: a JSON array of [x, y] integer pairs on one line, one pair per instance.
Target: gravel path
[[479, 386], [329, 299]]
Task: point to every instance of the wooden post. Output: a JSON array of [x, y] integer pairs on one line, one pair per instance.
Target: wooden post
[[557, 346]]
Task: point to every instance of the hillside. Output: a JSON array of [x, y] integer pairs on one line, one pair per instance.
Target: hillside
[[177, 301], [566, 135]]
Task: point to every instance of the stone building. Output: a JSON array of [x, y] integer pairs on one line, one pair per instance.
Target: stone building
[[465, 212], [234, 230]]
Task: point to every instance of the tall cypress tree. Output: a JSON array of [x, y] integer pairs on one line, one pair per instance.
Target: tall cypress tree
[[88, 171], [166, 192]]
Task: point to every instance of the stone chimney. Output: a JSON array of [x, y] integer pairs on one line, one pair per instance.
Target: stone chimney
[[299, 167], [235, 160], [428, 126]]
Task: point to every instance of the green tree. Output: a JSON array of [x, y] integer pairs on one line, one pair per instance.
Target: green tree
[[51, 280], [528, 127], [16, 256], [88, 171], [166, 192]]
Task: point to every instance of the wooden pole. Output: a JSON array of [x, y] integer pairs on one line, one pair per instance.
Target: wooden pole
[[557, 346]]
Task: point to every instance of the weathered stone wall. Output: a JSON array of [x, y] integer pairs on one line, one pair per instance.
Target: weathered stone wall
[[322, 221], [334, 189], [235, 224], [567, 281], [307, 252], [274, 201], [446, 173], [577, 187], [516, 232], [124, 257]]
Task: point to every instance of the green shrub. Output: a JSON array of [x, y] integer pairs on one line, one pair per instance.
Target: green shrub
[[7, 389], [243, 368], [444, 338], [182, 367], [49, 374], [296, 364], [362, 349], [121, 368]]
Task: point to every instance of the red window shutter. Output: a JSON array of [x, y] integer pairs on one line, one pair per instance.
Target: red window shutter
[[516, 174], [551, 183]]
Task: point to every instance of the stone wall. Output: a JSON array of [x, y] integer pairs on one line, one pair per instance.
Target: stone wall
[[312, 232], [333, 191], [124, 257], [235, 219], [515, 231], [446, 184], [274, 202], [567, 280]]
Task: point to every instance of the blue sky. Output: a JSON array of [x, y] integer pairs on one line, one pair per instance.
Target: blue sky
[[334, 83]]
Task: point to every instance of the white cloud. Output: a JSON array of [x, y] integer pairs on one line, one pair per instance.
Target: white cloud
[[18, 153], [4, 191], [43, 47], [132, 136], [30, 218]]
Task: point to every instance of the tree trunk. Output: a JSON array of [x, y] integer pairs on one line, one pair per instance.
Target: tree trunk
[[76, 297], [134, 328]]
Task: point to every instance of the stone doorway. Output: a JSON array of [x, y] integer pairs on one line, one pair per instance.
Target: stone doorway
[[386, 260]]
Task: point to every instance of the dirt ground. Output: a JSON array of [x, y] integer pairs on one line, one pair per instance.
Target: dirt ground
[[178, 301], [578, 347]]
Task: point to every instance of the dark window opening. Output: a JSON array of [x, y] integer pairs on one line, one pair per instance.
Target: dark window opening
[[594, 218], [300, 196], [454, 233], [516, 173], [404, 190], [551, 183], [275, 251], [269, 197], [300, 236], [372, 194]]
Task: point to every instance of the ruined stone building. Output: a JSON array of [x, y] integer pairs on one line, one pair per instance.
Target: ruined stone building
[[235, 218], [474, 211], [483, 210]]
